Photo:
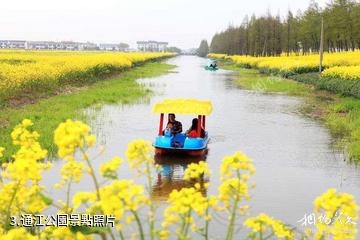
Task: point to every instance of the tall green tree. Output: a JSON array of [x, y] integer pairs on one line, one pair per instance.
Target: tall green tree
[[203, 49], [310, 28]]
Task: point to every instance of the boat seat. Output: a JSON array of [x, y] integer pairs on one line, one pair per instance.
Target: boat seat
[[178, 140]]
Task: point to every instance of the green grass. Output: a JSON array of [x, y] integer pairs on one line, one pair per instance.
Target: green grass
[[343, 120], [335, 85], [340, 114], [48, 113], [252, 79]]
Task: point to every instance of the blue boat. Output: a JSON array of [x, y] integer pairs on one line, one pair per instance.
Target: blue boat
[[182, 143]]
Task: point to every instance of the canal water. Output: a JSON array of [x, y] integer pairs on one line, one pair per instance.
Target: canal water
[[293, 155]]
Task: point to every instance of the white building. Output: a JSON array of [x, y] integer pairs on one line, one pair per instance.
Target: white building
[[69, 45], [109, 47], [41, 45], [14, 44], [151, 46], [63, 45], [49, 45], [88, 46]]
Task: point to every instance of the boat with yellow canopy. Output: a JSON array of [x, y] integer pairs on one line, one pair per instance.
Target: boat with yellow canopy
[[195, 145]]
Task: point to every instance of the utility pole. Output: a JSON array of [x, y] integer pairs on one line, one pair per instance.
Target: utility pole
[[321, 45]]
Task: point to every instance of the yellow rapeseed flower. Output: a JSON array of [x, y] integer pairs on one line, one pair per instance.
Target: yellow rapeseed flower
[[120, 196], [18, 234], [232, 189], [266, 225], [20, 191], [83, 197], [71, 170], [109, 169], [2, 150], [52, 68], [339, 213], [72, 135], [231, 165], [196, 171], [343, 72], [63, 233], [343, 64], [139, 153], [182, 204]]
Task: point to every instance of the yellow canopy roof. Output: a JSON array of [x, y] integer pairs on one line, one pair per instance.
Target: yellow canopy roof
[[184, 106]]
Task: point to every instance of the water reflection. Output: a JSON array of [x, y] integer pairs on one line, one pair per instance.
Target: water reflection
[[170, 177]]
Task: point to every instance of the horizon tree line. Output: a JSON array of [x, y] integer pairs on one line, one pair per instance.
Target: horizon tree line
[[298, 33]]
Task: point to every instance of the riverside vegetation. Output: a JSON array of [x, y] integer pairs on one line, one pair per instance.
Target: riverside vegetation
[[289, 46], [50, 87], [30, 74], [341, 76], [188, 212]]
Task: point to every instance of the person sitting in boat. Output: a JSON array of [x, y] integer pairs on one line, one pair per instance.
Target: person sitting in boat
[[176, 125], [168, 129], [213, 64], [192, 132]]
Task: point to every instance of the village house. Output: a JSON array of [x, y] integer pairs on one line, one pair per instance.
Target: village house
[[151, 46], [109, 47], [14, 44], [40, 45], [63, 45], [89, 46]]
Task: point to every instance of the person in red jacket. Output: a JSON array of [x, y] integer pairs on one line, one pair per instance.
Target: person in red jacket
[[192, 132]]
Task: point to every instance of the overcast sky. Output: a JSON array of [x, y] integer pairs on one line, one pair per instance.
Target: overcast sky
[[182, 23]]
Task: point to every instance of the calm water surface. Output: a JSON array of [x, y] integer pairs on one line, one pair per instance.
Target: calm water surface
[[293, 155]]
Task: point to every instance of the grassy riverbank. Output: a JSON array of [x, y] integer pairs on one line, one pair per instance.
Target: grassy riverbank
[[48, 113], [252, 79], [341, 114]]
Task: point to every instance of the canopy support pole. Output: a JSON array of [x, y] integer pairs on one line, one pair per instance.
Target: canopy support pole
[[204, 122], [161, 124], [199, 126]]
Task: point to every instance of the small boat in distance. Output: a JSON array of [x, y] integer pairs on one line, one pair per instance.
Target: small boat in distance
[[181, 143], [212, 66]]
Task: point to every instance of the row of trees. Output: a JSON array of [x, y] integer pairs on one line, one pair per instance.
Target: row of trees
[[300, 33]]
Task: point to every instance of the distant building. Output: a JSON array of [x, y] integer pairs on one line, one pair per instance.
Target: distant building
[[41, 45], [14, 44], [151, 46], [72, 46], [89, 46], [109, 47], [63, 45], [49, 45]]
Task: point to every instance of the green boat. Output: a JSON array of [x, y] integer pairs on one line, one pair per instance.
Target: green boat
[[211, 68], [212, 65]]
